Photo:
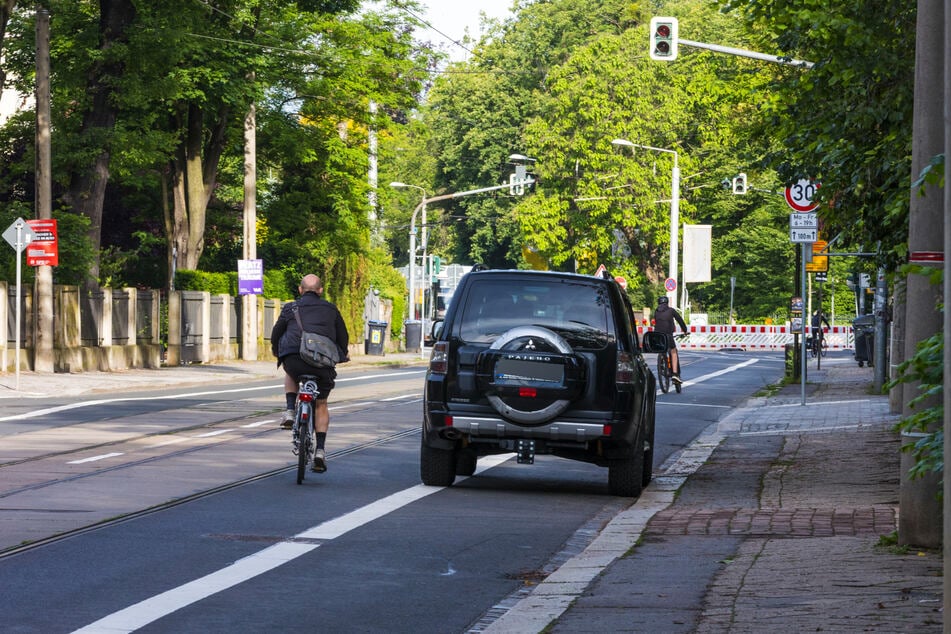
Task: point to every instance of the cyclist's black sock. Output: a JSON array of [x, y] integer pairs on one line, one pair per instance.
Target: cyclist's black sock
[[321, 439], [291, 399]]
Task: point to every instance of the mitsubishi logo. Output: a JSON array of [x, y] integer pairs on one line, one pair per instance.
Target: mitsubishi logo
[[530, 345]]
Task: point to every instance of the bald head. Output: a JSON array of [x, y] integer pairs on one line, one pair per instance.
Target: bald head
[[311, 284]]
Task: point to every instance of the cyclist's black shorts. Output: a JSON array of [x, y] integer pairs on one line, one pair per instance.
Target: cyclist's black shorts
[[671, 342], [296, 367]]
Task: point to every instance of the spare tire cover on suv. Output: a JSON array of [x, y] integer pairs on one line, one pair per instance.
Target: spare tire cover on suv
[[530, 374]]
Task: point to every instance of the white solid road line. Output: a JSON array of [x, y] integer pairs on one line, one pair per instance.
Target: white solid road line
[[154, 608], [102, 401], [713, 375]]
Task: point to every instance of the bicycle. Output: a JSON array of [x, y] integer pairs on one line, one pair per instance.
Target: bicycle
[[818, 345], [665, 372], [303, 440]]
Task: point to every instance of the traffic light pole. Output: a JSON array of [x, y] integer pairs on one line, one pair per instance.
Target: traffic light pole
[[729, 50]]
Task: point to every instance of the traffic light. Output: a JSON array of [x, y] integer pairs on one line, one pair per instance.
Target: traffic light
[[739, 184], [516, 185], [663, 42], [437, 264]]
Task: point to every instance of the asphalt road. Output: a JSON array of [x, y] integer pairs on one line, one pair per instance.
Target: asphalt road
[[361, 548]]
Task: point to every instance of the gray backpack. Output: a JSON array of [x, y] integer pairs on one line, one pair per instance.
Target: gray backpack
[[316, 350]]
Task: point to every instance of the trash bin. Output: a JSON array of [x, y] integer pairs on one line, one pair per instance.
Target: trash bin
[[863, 330], [793, 360], [374, 341], [414, 334]]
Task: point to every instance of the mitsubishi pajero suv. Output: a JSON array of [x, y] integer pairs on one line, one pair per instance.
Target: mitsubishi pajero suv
[[538, 362]]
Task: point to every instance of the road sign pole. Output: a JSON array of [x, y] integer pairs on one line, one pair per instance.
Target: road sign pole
[[16, 347], [802, 351]]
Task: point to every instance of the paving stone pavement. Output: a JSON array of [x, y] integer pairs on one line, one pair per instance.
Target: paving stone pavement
[[780, 523]]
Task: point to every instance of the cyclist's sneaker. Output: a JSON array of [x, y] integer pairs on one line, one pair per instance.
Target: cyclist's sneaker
[[676, 379], [287, 419], [320, 462]]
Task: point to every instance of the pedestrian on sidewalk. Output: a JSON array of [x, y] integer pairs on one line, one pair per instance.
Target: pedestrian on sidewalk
[[319, 316]]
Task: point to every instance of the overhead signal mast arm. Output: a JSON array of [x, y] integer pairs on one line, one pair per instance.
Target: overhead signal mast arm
[[665, 41]]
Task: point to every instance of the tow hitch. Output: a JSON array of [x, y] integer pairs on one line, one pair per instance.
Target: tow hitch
[[526, 451]]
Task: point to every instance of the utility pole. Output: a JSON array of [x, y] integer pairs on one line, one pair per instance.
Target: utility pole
[[43, 323], [920, 522], [249, 302], [946, 289]]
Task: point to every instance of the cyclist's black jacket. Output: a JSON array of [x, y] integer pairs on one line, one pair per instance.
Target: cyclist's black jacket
[[318, 316], [664, 318]]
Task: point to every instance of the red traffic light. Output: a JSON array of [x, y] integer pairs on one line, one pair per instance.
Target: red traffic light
[[663, 36]]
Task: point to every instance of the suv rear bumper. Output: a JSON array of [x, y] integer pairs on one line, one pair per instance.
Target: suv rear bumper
[[555, 430]]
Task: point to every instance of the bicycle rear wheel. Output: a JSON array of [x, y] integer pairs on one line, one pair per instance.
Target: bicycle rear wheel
[[663, 372], [305, 444]]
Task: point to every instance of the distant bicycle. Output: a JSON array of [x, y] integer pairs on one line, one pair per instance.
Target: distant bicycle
[[304, 442], [818, 345], [665, 370]]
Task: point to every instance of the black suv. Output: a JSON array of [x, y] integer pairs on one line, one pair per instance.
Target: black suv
[[538, 362]]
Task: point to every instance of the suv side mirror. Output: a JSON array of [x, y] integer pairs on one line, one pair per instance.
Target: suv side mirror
[[436, 329], [654, 342]]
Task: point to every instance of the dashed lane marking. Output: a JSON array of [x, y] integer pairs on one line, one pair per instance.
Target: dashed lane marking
[[96, 458]]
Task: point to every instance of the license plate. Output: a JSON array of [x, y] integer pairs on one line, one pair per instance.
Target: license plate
[[521, 372]]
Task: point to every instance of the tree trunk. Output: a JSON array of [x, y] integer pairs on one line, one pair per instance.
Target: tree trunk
[[87, 189], [194, 173]]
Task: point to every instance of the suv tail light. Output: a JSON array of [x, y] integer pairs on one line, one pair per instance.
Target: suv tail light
[[439, 359], [624, 371]]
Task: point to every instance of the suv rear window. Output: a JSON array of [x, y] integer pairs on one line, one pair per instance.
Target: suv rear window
[[576, 311]]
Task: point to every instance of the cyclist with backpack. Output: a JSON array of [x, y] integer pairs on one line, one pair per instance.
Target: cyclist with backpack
[[665, 318], [319, 316]]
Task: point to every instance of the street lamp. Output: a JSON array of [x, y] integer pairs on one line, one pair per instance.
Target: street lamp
[[524, 181], [674, 210], [412, 251]]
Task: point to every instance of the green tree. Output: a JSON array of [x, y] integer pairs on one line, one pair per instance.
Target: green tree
[[847, 121], [477, 112], [149, 100]]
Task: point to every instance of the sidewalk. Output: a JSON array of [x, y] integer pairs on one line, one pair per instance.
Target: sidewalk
[[771, 521], [38, 384]]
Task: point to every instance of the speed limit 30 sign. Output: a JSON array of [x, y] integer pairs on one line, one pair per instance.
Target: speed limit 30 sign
[[799, 195]]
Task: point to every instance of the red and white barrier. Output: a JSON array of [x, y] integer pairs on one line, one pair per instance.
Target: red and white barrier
[[754, 337]]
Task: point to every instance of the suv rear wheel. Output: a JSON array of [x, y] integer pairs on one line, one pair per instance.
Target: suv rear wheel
[[437, 467], [626, 476]]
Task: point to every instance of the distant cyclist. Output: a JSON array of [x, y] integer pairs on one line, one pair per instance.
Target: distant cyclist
[[818, 318], [664, 321]]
